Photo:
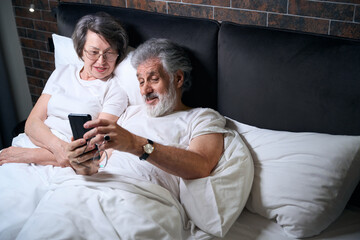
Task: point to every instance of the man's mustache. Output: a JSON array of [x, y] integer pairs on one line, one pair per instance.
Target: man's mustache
[[150, 96]]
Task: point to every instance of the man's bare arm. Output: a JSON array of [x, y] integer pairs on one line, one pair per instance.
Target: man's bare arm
[[198, 161]]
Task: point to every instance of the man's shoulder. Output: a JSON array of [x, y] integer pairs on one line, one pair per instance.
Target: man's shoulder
[[201, 115], [205, 121], [130, 112], [190, 114], [135, 108], [204, 111]]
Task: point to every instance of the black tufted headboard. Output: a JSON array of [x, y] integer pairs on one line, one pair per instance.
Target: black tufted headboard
[[273, 79], [264, 77], [289, 81]]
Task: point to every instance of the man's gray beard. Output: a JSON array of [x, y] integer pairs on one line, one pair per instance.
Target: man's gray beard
[[165, 105]]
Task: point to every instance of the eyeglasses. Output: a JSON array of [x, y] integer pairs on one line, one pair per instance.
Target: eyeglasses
[[94, 55], [100, 155]]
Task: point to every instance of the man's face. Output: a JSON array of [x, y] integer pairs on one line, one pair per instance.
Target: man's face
[[156, 87]]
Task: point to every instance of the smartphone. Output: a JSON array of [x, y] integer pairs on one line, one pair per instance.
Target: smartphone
[[77, 124]]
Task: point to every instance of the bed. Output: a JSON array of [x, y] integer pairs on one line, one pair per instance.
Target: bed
[[292, 161]]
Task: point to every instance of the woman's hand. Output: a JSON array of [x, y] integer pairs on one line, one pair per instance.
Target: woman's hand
[[27, 155], [16, 155], [61, 154], [80, 154]]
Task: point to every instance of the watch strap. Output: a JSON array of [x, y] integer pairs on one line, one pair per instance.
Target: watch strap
[[145, 155]]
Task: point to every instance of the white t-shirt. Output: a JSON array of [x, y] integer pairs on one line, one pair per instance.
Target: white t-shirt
[[70, 94], [176, 129]]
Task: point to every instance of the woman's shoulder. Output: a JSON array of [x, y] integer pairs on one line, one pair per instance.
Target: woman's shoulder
[[66, 70], [63, 67], [114, 88], [63, 74]]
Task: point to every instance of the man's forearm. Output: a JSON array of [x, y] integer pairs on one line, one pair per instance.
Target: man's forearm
[[187, 164], [179, 162]]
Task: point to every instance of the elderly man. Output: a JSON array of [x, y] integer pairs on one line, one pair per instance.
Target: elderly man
[[162, 139]]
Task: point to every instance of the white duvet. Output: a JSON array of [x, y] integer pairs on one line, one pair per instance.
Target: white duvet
[[46, 202], [54, 203]]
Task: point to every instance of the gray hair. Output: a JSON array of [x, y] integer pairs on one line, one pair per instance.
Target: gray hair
[[105, 25], [172, 56]]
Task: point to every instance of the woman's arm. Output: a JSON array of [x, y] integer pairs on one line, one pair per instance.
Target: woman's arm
[[53, 149], [41, 135], [108, 116], [39, 156]]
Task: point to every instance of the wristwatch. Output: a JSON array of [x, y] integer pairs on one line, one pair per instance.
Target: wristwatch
[[148, 149]]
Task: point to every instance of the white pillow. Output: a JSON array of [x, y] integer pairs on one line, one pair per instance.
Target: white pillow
[[125, 72], [64, 51], [302, 180], [126, 75], [214, 203]]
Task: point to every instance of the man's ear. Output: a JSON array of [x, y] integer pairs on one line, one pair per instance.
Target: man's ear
[[179, 78]]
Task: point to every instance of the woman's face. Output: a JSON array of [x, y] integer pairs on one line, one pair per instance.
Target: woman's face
[[96, 66]]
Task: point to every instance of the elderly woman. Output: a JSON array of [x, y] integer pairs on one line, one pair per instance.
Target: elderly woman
[[101, 43]]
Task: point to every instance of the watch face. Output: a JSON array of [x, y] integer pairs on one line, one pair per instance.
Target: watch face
[[148, 148]]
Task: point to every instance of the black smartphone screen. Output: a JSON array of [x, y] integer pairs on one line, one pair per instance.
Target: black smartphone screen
[[77, 124]]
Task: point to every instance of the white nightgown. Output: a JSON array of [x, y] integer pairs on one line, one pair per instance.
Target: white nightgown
[[70, 94]]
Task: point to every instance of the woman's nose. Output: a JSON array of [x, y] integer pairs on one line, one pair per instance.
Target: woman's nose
[[101, 58]]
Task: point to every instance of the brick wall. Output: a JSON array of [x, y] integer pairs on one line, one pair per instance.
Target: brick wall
[[330, 17]]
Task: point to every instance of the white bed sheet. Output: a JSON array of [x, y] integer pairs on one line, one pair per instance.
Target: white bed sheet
[[45, 202], [250, 226]]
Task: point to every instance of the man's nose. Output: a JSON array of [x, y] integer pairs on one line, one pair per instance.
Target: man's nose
[[146, 88]]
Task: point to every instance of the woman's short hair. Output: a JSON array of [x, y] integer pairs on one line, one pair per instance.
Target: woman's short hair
[[172, 56], [105, 25]]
